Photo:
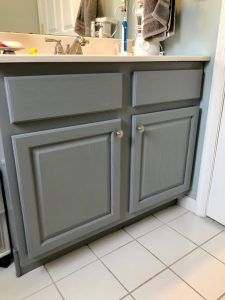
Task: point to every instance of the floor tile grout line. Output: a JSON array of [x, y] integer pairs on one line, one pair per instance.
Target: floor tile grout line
[[54, 283], [100, 257], [30, 295], [165, 225], [129, 293], [211, 221], [212, 255], [187, 283], [179, 259], [124, 297], [199, 245], [86, 265], [151, 253], [202, 244], [117, 279], [187, 238], [187, 211], [148, 280], [169, 268], [189, 252], [135, 238]]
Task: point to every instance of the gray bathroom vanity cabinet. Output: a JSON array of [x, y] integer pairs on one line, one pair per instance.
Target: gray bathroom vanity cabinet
[[89, 147]]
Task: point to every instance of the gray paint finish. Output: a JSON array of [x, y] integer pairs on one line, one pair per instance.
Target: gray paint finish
[[23, 262], [166, 86], [162, 156], [4, 238], [1, 201], [39, 97], [69, 182]]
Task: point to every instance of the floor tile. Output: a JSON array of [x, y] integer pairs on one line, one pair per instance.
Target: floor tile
[[197, 229], [132, 265], [216, 246], [166, 244], [93, 282], [203, 272], [69, 263], [166, 286], [128, 298], [13, 288], [170, 213], [49, 293], [110, 242], [142, 227]]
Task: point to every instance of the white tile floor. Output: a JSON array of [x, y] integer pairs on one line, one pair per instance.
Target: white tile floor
[[172, 255]]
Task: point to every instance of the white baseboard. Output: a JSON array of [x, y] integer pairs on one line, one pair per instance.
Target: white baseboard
[[188, 203]]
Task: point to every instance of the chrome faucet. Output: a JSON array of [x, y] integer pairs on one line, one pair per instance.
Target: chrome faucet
[[58, 47], [75, 48]]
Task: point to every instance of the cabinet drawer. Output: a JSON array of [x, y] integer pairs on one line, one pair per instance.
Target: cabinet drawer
[[40, 97], [153, 87]]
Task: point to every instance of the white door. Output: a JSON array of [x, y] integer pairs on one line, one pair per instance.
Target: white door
[[68, 10], [57, 16], [216, 204], [48, 18]]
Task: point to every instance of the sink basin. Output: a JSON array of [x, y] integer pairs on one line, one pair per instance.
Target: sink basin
[[96, 46]]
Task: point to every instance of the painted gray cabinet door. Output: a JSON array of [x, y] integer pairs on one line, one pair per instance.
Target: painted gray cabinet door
[[162, 156], [69, 183]]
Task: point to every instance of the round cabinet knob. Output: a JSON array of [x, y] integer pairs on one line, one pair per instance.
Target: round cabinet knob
[[141, 128], [120, 134]]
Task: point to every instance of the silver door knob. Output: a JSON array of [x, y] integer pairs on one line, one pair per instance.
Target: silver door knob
[[141, 128], [120, 134]]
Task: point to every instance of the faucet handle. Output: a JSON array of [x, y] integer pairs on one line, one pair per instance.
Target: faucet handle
[[82, 40], [52, 40], [58, 47]]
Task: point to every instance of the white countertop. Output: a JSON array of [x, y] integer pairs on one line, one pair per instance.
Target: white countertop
[[21, 58]]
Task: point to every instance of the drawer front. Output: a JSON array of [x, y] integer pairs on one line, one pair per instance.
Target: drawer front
[[153, 87], [41, 97]]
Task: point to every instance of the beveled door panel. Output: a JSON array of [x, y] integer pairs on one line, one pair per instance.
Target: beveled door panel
[[162, 156], [69, 181]]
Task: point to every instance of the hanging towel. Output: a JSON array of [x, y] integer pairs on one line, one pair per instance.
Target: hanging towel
[[159, 20], [89, 10]]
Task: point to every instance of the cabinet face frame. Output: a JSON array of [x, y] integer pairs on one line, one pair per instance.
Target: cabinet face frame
[[24, 145], [137, 203]]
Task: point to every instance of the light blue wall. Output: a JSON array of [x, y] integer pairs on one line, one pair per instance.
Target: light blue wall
[[197, 30], [131, 19]]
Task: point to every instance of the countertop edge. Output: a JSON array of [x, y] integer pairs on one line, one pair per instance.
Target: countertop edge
[[97, 59]]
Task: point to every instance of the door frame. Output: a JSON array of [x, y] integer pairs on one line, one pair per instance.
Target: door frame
[[215, 110]]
